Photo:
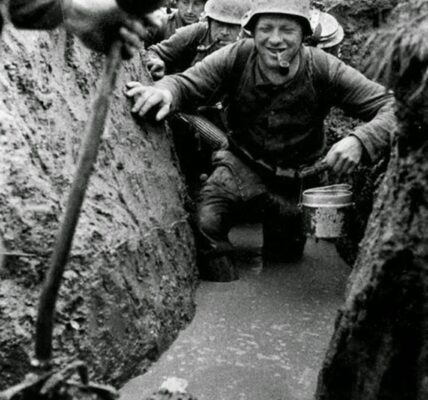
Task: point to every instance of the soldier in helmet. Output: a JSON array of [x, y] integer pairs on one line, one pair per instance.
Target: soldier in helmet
[[192, 43], [280, 92], [187, 12], [328, 33]]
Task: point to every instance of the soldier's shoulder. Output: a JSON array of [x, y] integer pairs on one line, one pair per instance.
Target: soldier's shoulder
[[246, 44], [236, 53], [243, 48], [314, 52], [201, 26], [194, 31], [319, 55], [322, 62]]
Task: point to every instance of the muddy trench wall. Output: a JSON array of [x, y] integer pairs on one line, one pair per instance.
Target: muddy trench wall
[[379, 348], [129, 284], [360, 20]]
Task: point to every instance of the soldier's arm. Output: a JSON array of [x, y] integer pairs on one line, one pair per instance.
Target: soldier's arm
[[179, 48], [195, 85], [365, 99]]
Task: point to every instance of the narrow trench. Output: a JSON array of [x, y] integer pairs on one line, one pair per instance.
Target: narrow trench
[[261, 337]]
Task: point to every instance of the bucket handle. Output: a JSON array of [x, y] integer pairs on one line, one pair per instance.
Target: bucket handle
[[339, 187]]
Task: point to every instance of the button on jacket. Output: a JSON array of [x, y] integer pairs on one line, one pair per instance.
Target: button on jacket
[[283, 124]]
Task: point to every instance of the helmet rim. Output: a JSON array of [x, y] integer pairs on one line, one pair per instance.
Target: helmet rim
[[292, 8], [227, 11]]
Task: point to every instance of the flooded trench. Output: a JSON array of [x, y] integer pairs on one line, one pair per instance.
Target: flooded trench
[[259, 338]]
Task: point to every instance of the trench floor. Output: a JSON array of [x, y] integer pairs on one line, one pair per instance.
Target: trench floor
[[262, 337]]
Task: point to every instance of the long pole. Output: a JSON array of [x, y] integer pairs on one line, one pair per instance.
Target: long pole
[[88, 157]]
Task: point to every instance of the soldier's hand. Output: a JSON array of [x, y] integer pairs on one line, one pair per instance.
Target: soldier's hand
[[99, 22], [156, 68], [149, 98], [345, 155]]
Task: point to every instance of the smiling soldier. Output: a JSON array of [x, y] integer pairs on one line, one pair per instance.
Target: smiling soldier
[[221, 26], [192, 43], [280, 93]]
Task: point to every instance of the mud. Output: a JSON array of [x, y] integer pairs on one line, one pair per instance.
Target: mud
[[260, 337], [360, 20], [129, 284], [379, 348]]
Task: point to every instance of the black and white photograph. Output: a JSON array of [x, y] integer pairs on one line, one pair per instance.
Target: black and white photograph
[[213, 199]]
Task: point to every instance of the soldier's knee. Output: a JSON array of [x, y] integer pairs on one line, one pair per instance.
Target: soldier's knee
[[209, 222]]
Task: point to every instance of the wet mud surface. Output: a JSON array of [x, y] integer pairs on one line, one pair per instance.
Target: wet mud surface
[[261, 337], [379, 347]]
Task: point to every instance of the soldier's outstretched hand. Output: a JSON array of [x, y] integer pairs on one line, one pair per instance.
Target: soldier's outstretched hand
[[148, 99], [345, 155]]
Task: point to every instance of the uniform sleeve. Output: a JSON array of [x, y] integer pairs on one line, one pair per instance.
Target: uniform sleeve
[[36, 14], [178, 47], [199, 83], [362, 98]]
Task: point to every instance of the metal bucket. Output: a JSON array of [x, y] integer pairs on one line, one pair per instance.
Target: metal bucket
[[326, 211]]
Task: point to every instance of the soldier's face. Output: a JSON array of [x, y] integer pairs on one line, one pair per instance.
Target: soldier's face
[[224, 33], [190, 10], [275, 37]]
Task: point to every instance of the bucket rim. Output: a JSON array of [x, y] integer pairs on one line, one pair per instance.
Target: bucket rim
[[328, 196], [330, 205], [327, 199], [338, 187]]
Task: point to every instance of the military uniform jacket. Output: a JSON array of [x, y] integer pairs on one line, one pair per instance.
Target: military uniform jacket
[[282, 125], [185, 48]]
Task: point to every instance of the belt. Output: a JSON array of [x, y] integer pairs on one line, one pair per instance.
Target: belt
[[265, 168]]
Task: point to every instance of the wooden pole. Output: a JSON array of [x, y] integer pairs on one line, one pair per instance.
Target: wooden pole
[[88, 157]]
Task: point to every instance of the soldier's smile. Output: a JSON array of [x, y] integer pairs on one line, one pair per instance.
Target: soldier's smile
[[277, 38]]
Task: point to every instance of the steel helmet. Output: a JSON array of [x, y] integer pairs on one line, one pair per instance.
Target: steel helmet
[[227, 11], [330, 32], [295, 8]]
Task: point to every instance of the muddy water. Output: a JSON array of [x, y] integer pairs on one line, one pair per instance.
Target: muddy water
[[262, 337]]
